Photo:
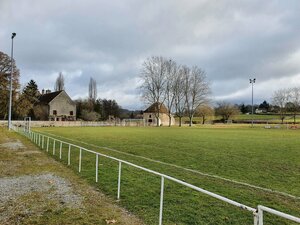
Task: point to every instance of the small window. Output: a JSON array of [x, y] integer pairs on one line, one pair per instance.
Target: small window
[[150, 121], [54, 112], [150, 116], [71, 113]]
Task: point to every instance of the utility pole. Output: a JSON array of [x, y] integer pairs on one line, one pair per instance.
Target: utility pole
[[11, 75], [252, 81]]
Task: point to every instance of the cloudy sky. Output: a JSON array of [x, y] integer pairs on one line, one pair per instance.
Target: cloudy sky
[[108, 40]]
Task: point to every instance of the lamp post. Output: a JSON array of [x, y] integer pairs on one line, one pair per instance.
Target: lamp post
[[252, 81], [11, 75]]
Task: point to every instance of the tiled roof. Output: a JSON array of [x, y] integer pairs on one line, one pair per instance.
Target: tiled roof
[[153, 108], [46, 98]]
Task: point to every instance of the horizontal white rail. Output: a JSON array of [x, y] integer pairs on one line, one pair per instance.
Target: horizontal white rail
[[257, 213], [261, 209]]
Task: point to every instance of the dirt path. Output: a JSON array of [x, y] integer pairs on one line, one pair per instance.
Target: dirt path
[[35, 189]]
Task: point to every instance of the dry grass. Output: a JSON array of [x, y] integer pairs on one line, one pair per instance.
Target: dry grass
[[35, 206]]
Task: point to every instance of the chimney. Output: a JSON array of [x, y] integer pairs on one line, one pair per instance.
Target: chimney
[[43, 91], [48, 91]]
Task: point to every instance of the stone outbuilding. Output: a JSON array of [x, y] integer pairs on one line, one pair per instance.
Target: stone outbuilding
[[150, 115], [55, 106]]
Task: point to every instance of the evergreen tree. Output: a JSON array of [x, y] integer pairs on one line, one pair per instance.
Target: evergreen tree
[[60, 83], [27, 99]]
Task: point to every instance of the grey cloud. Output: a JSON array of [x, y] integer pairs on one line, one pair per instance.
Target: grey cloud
[[108, 40]]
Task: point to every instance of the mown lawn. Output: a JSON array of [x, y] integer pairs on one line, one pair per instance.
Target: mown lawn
[[270, 118], [269, 158]]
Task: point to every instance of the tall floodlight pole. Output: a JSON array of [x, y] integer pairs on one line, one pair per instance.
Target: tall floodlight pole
[[11, 75], [252, 81]]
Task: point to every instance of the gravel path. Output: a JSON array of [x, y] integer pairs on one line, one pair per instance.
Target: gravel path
[[55, 188], [35, 194], [16, 145]]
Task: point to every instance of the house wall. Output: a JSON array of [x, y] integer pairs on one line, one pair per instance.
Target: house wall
[[63, 106], [163, 119]]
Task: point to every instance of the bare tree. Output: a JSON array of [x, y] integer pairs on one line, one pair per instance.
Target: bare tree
[[179, 95], [172, 71], [226, 110], [204, 111], [5, 69], [280, 98], [92, 90], [196, 90], [59, 83], [293, 103], [153, 77]]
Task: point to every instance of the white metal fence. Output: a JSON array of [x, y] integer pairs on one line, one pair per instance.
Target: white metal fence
[[43, 142]]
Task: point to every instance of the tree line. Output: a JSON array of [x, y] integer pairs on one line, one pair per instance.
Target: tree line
[[25, 98]]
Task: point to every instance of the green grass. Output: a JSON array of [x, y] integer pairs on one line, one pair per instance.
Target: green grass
[[271, 118], [262, 157]]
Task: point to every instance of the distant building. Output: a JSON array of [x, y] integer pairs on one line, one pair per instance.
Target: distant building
[[150, 115], [55, 106], [257, 111]]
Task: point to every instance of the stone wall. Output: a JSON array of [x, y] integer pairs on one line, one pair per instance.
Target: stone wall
[[3, 123], [163, 119]]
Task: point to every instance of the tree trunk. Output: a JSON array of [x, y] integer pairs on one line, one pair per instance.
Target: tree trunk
[[157, 120], [203, 119], [180, 120], [191, 121], [170, 120]]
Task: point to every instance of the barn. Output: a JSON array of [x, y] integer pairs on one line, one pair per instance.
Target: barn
[[151, 114]]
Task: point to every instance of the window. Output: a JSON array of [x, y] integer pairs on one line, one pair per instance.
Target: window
[[71, 113], [150, 121], [150, 116], [54, 112]]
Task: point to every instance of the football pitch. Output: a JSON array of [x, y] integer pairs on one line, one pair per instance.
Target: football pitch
[[248, 165]]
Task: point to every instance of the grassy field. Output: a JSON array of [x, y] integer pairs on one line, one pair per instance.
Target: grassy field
[[267, 158], [271, 118]]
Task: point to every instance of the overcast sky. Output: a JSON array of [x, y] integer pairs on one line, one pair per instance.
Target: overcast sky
[[108, 40]]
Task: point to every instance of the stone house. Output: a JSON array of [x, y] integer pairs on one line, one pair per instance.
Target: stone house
[[55, 106], [151, 113]]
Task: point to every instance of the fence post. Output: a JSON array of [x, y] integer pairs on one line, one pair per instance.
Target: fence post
[[260, 216], [119, 180], [60, 148], [161, 200], [255, 217], [79, 166], [43, 140], [47, 144], [69, 155], [53, 147], [39, 140], [97, 159]]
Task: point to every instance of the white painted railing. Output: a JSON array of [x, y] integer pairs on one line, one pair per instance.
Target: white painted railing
[[261, 209], [39, 139]]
